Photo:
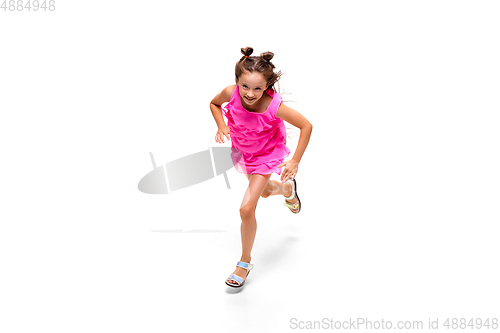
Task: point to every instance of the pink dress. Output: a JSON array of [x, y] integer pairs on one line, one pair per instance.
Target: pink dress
[[258, 139]]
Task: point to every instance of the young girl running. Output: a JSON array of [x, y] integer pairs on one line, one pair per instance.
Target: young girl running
[[255, 115]]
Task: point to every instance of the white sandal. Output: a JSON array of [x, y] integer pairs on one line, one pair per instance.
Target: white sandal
[[296, 205], [239, 280]]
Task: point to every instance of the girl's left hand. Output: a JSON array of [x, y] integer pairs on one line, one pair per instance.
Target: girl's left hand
[[290, 170]]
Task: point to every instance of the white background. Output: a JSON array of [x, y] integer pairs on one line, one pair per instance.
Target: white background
[[399, 183]]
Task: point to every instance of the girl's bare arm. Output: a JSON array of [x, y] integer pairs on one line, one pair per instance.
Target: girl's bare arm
[[215, 106], [217, 101], [296, 119]]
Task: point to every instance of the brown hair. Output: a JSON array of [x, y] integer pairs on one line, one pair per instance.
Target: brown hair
[[261, 64]]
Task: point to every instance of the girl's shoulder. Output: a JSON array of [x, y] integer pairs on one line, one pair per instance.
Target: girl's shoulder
[[228, 92], [225, 96]]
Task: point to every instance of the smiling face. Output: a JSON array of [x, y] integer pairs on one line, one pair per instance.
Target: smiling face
[[251, 86]]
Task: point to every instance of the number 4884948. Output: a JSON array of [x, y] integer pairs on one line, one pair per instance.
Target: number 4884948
[[28, 5], [473, 323]]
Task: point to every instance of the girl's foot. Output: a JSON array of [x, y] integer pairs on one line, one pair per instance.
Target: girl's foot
[[241, 272]]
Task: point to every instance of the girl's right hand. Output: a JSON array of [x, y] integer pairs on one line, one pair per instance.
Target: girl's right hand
[[223, 131]]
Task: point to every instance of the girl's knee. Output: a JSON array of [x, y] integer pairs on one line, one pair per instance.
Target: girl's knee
[[247, 211]]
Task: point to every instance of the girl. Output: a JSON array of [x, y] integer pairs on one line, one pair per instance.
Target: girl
[[255, 116]]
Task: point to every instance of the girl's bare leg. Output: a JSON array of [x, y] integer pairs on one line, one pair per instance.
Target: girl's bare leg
[[275, 187], [255, 188]]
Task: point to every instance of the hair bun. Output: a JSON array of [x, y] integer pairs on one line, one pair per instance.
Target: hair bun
[[247, 51], [267, 56]]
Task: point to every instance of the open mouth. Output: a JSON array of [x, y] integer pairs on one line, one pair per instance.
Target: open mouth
[[249, 99]]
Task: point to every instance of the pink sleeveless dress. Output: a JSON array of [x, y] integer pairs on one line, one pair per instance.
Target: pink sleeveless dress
[[258, 139]]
